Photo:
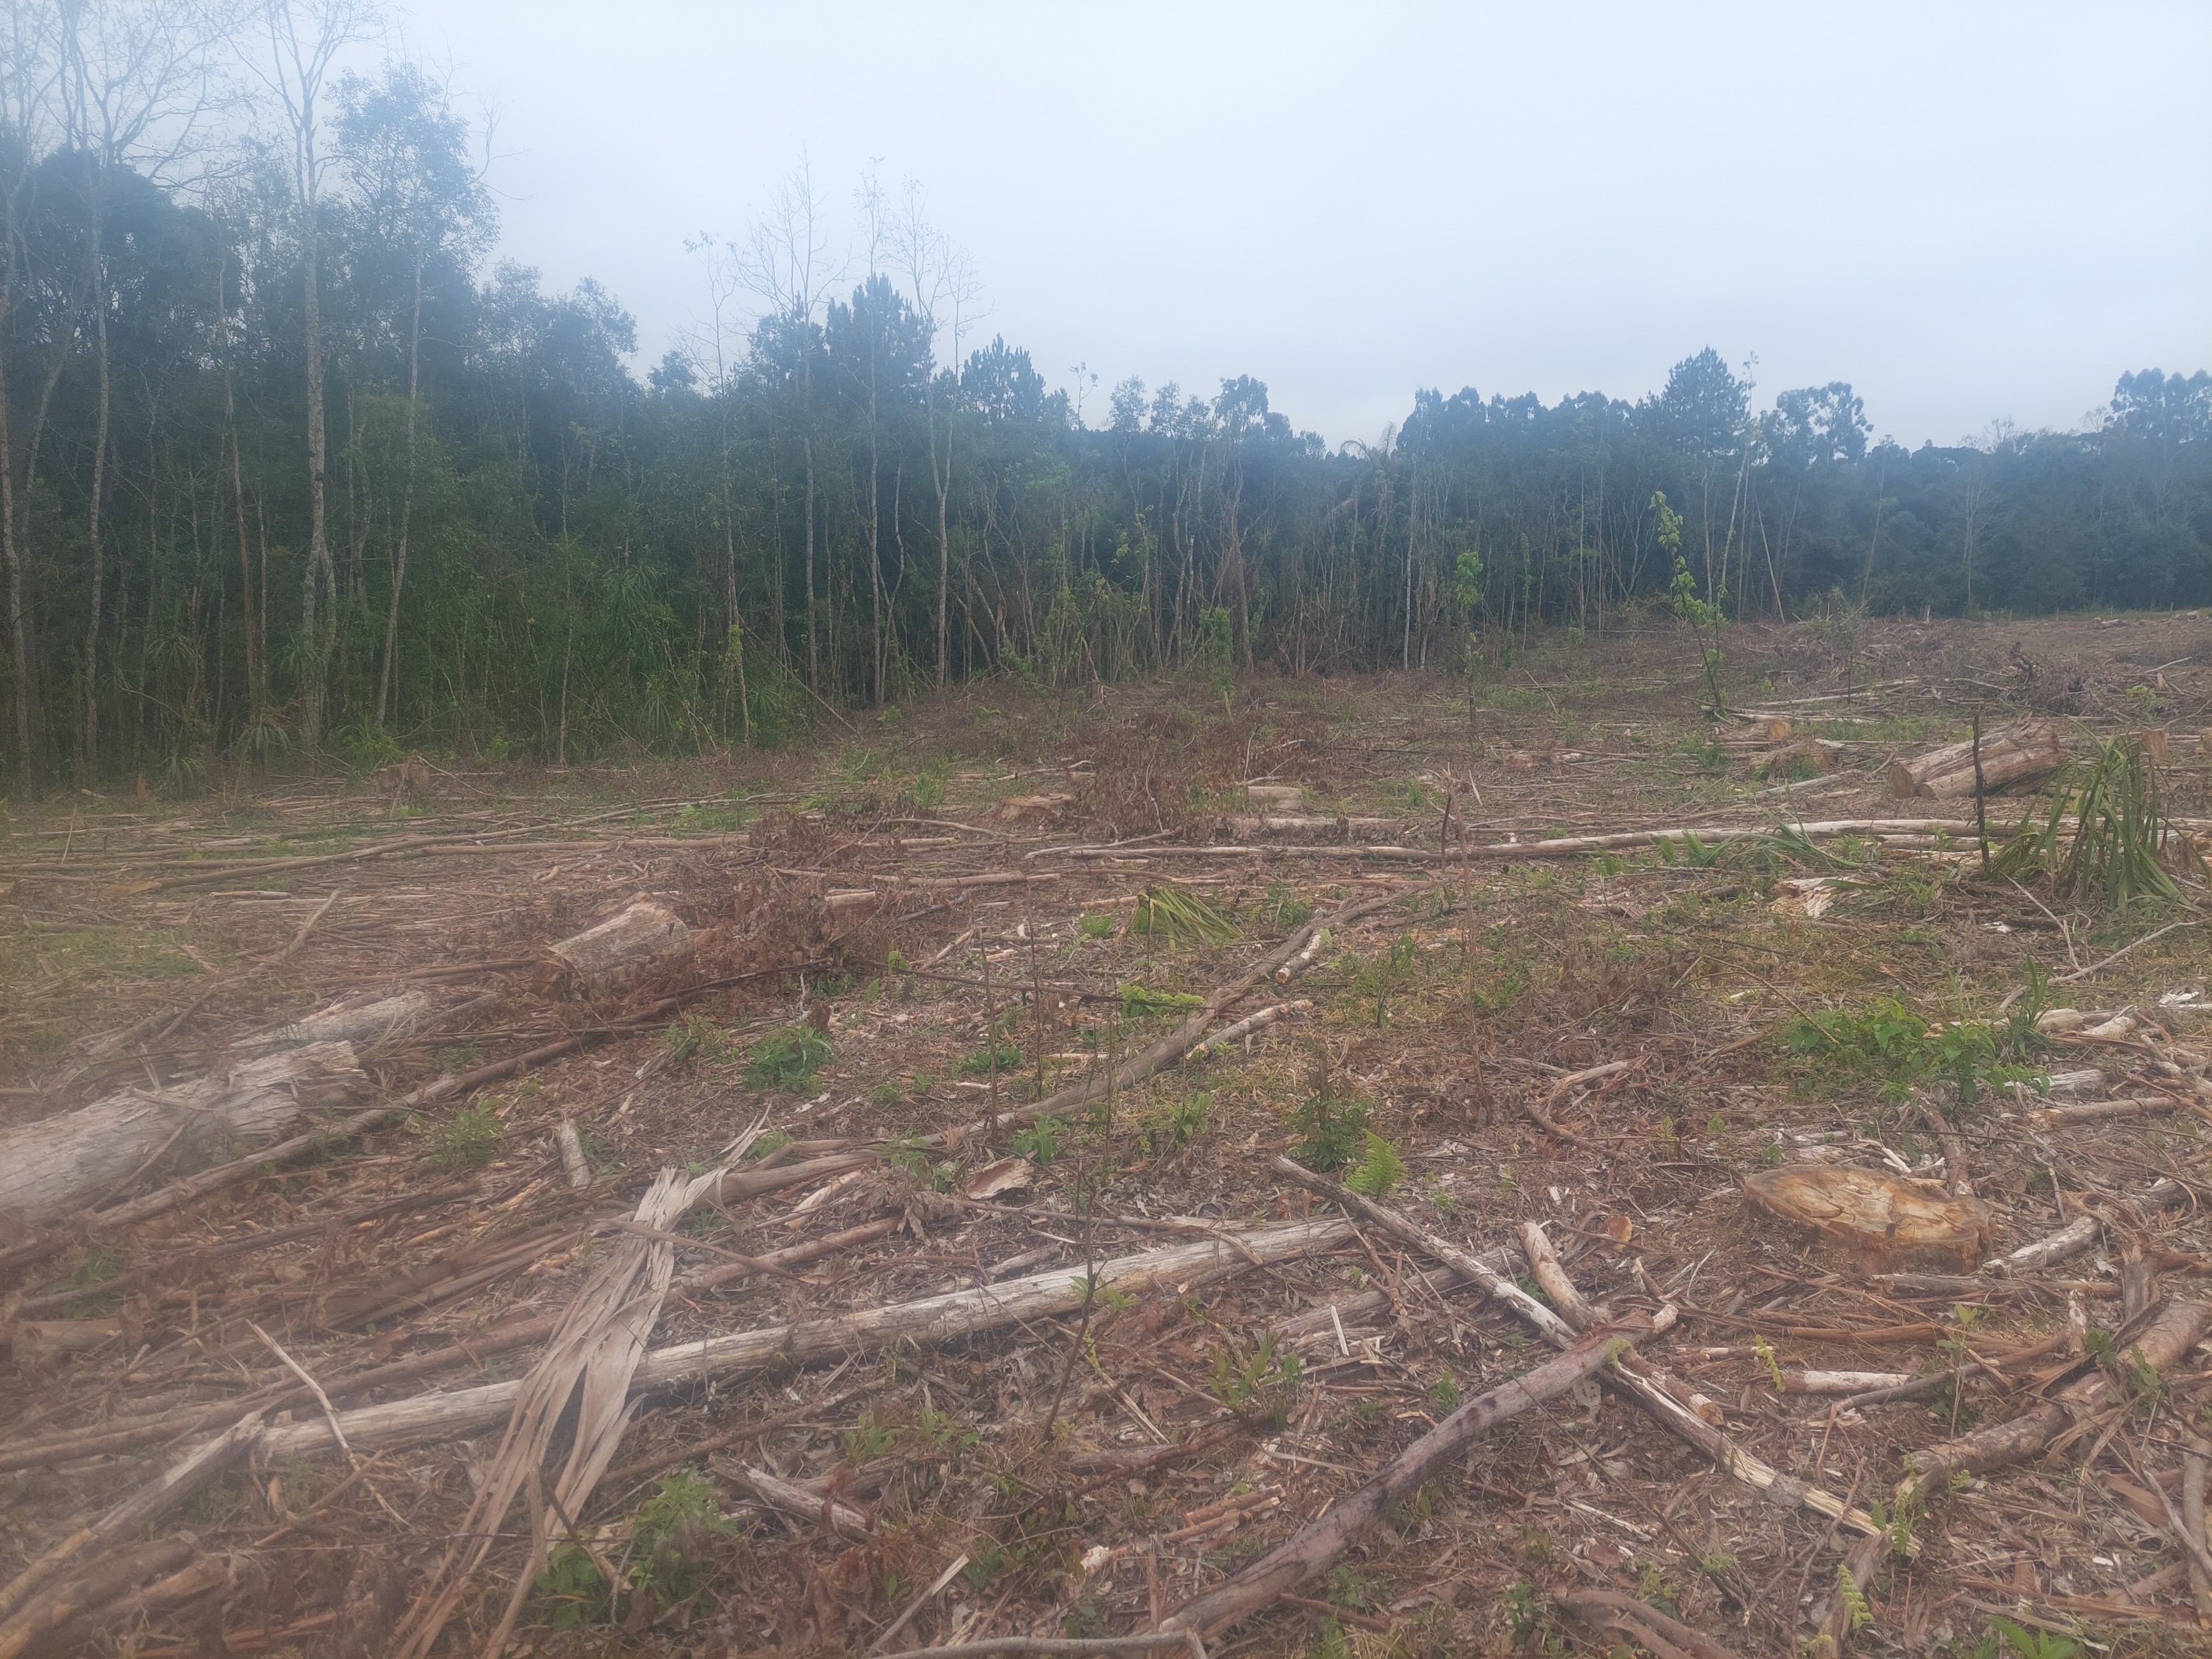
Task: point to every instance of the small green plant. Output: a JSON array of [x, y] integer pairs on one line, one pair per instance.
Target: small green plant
[[787, 1059], [1896, 1048], [1265, 1379], [671, 1554], [1852, 1597], [1095, 926], [1380, 1171], [997, 1056], [1329, 1127], [1178, 916], [469, 1140], [1168, 1127], [929, 787], [1040, 1141], [1141, 1001], [1759, 1347], [1524, 1607], [697, 1037], [2004, 1639], [868, 1439], [1444, 1393], [1283, 908]]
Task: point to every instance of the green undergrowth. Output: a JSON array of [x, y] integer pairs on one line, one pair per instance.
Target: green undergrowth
[[1889, 1044]]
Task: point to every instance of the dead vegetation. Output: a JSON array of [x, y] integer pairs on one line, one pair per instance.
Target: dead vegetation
[[1004, 1187]]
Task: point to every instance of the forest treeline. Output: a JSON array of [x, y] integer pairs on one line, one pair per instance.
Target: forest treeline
[[293, 467]]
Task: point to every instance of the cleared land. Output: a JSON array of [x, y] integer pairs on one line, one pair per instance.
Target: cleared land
[[976, 1303]]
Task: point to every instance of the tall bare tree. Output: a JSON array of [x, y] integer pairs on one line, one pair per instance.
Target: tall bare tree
[[136, 81], [30, 126], [304, 40], [946, 294]]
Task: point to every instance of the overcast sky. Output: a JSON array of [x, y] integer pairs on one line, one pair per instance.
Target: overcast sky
[[1967, 211]]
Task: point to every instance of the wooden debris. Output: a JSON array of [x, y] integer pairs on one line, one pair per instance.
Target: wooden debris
[[1879, 1217], [932, 1320], [1322, 1542], [66, 1162], [1662, 1634], [641, 940], [1654, 1390], [2178, 1326], [572, 1155], [2022, 753]]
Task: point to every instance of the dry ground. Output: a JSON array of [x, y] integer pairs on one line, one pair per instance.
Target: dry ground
[[139, 937]]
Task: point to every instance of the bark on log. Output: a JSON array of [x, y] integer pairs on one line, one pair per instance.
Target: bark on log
[[930, 1321], [63, 1162], [2177, 1328], [346, 1022], [641, 940], [1314, 1548], [2010, 754]]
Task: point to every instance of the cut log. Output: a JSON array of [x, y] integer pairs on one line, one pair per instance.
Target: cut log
[[344, 1022], [1275, 797], [930, 1321], [644, 939], [67, 1160], [2010, 754]]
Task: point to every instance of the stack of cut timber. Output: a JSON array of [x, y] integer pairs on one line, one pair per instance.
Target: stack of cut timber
[[2010, 754]]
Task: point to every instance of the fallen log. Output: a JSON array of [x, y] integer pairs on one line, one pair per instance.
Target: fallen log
[[1322, 1542], [205, 1577], [1647, 1388], [1560, 847], [643, 939], [2014, 754], [346, 1022], [929, 1321], [2178, 1326], [2079, 1234], [150, 1503], [66, 1162]]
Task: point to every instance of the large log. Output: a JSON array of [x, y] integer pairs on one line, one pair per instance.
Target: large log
[[73, 1159], [636, 941], [931, 1320], [2010, 754]]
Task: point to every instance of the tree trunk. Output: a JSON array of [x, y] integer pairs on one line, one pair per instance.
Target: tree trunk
[[89, 751], [384, 682], [2014, 754], [931, 1321], [63, 1162], [19, 641], [318, 545], [254, 686]]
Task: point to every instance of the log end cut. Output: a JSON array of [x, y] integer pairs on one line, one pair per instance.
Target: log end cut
[[1879, 1218]]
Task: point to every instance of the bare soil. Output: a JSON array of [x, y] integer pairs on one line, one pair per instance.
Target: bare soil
[[141, 937]]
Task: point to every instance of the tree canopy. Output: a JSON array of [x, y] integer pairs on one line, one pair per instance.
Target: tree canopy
[[288, 465]]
